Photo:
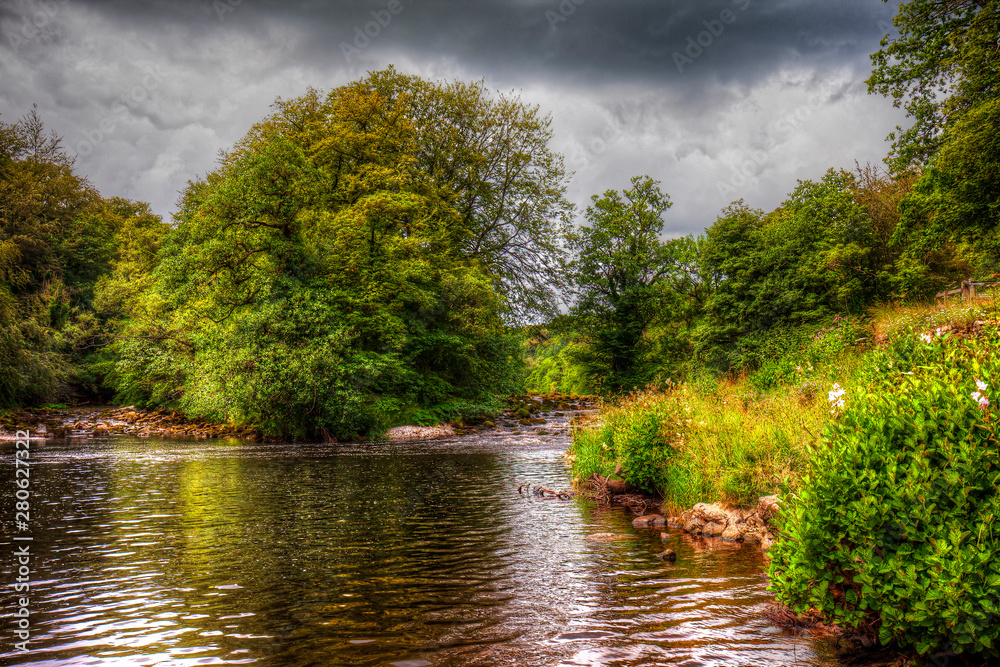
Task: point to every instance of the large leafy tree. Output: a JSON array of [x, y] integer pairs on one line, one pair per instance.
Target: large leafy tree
[[625, 279], [943, 63], [324, 279]]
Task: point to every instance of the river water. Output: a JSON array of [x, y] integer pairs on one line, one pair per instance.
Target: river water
[[157, 552]]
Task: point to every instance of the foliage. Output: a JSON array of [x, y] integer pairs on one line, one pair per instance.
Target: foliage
[[893, 526], [942, 64], [625, 279], [57, 240], [707, 444], [320, 281], [551, 364]]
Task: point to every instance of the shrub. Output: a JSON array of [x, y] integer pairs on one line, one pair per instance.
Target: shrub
[[894, 527]]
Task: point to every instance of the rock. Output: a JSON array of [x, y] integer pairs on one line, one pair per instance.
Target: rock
[[732, 533], [752, 537], [667, 555], [694, 526], [768, 507], [649, 521], [489, 424], [525, 422], [101, 432], [59, 432], [667, 537], [713, 529], [542, 431], [606, 537], [711, 513], [617, 486]]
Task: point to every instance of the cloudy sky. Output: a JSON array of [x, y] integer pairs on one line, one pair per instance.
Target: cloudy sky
[[718, 99]]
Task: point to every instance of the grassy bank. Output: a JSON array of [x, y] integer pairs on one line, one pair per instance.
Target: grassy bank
[[886, 450], [732, 440]]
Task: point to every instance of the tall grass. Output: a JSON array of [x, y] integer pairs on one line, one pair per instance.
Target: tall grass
[[694, 446]]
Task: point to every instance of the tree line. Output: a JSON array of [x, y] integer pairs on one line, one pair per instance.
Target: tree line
[[378, 253]]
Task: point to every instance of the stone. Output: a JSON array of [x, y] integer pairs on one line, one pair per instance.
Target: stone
[[667, 537], [489, 424], [101, 431], [667, 555], [694, 526], [606, 537], [751, 537], [713, 529], [711, 513], [649, 521], [732, 533], [768, 507]]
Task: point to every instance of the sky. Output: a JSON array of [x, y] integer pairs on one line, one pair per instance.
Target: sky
[[718, 99]]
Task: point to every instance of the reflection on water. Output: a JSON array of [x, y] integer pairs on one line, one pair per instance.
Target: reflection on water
[[191, 553]]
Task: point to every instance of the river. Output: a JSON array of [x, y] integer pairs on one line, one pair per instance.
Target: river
[[165, 552]]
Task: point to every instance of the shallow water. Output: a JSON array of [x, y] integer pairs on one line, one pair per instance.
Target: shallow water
[[154, 552]]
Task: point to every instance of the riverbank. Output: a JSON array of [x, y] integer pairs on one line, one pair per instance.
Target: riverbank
[[523, 413], [884, 452]]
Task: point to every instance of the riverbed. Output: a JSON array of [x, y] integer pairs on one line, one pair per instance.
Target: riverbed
[[170, 552]]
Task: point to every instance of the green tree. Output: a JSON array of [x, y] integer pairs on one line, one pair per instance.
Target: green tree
[[321, 280], [57, 237], [625, 278], [943, 63]]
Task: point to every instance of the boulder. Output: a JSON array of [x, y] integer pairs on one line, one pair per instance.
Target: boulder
[[606, 537], [711, 513], [732, 533], [713, 529], [667, 537], [649, 521], [694, 526], [768, 507], [667, 555]]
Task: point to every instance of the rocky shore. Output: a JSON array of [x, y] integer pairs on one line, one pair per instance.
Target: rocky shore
[[99, 421], [751, 526], [521, 414]]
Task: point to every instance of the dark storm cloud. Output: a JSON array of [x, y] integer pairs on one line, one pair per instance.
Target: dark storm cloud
[[719, 99]]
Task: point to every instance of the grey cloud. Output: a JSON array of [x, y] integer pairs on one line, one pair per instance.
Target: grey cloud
[[607, 72]]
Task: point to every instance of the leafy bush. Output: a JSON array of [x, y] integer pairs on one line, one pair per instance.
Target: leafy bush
[[894, 528]]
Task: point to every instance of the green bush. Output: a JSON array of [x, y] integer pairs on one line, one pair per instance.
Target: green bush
[[894, 527]]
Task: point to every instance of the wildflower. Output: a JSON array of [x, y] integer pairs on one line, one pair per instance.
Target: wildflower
[[836, 397], [939, 331], [926, 337], [979, 396]]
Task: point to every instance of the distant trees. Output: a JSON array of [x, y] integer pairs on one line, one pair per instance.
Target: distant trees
[[58, 240], [625, 279]]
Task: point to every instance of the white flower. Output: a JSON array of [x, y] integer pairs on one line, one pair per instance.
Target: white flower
[[981, 386], [926, 337], [836, 397], [939, 331]]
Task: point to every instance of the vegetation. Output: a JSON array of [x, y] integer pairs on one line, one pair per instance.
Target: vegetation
[[399, 250], [893, 525]]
